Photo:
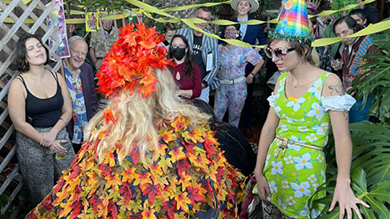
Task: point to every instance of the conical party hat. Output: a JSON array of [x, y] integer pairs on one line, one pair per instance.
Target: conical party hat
[[293, 22]]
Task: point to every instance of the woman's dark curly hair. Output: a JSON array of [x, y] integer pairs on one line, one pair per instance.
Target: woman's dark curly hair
[[21, 52]]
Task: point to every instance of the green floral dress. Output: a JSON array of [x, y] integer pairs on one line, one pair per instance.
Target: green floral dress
[[294, 176]]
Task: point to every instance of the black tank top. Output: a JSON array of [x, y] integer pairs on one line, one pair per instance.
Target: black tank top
[[44, 112]]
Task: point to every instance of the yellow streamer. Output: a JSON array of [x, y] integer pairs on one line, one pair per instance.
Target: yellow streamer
[[147, 10], [9, 1], [371, 29]]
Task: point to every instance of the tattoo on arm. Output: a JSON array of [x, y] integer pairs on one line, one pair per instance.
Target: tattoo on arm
[[346, 115], [337, 89]]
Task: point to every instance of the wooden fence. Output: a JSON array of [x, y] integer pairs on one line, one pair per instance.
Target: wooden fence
[[39, 11]]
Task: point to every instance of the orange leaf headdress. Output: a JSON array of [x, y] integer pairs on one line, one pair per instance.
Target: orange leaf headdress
[[130, 63]]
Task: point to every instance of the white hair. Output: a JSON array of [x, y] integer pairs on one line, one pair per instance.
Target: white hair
[[74, 38]]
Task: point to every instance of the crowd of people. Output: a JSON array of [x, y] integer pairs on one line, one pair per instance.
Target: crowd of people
[[159, 149]]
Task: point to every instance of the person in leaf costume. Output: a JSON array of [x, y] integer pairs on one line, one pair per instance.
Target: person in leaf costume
[[147, 155]]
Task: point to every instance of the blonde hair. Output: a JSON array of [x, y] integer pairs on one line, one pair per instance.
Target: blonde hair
[[137, 119]]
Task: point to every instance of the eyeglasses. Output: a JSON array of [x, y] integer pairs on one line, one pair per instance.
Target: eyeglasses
[[279, 53], [178, 46], [206, 19]]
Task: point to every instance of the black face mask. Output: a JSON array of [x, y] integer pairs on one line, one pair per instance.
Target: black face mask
[[178, 53]]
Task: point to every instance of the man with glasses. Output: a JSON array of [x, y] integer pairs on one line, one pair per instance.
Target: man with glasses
[[204, 50], [80, 80]]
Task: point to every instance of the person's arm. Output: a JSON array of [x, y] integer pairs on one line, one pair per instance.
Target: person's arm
[[92, 47], [92, 55], [213, 44], [255, 59], [197, 82], [266, 137], [343, 193], [17, 111]]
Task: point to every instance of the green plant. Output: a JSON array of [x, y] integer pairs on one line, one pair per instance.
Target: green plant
[[375, 82], [370, 171], [18, 207], [337, 4]]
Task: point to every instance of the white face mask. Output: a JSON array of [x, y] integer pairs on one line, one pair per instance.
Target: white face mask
[[231, 34]]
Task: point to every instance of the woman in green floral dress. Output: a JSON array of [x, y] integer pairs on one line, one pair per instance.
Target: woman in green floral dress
[[306, 101], [291, 163]]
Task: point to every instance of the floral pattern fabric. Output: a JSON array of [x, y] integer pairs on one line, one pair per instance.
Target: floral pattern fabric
[[80, 118], [189, 178], [233, 96], [294, 177]]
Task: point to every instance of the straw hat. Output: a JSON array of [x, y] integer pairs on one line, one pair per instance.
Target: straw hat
[[254, 4]]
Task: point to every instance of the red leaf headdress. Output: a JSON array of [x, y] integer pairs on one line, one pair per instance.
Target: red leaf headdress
[[130, 63]]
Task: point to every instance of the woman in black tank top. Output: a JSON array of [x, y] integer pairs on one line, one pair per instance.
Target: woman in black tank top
[[40, 107]]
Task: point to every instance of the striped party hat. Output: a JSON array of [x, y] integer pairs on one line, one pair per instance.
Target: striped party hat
[[293, 22]]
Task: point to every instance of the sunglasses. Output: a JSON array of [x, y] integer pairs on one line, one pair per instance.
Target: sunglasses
[[279, 53]]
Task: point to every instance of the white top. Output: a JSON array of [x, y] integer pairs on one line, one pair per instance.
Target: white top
[[334, 103]]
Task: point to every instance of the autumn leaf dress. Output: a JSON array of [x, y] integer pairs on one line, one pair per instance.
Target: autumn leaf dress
[[189, 179]]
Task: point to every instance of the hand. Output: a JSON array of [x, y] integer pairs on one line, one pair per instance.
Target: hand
[[203, 85], [263, 188], [249, 79], [48, 138], [98, 63], [343, 194], [336, 64], [184, 93], [353, 93], [58, 148]]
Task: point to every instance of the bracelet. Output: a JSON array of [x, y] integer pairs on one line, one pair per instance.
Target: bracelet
[[63, 121], [252, 74]]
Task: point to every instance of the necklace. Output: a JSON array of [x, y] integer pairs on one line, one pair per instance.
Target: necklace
[[295, 85]]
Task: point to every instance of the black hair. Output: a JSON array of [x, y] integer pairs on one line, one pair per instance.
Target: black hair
[[304, 50], [21, 52], [314, 21], [359, 12], [169, 27], [351, 23], [237, 26], [189, 60]]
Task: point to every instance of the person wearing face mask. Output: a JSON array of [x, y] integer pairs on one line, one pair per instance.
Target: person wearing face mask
[[204, 49], [254, 35], [232, 92], [186, 73], [168, 33]]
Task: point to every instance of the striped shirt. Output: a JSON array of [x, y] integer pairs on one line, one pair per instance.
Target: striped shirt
[[209, 46]]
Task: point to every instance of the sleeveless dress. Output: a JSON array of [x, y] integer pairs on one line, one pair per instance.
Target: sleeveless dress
[[294, 176]]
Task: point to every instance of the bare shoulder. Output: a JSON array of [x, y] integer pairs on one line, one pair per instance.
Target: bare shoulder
[[15, 88], [333, 86]]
